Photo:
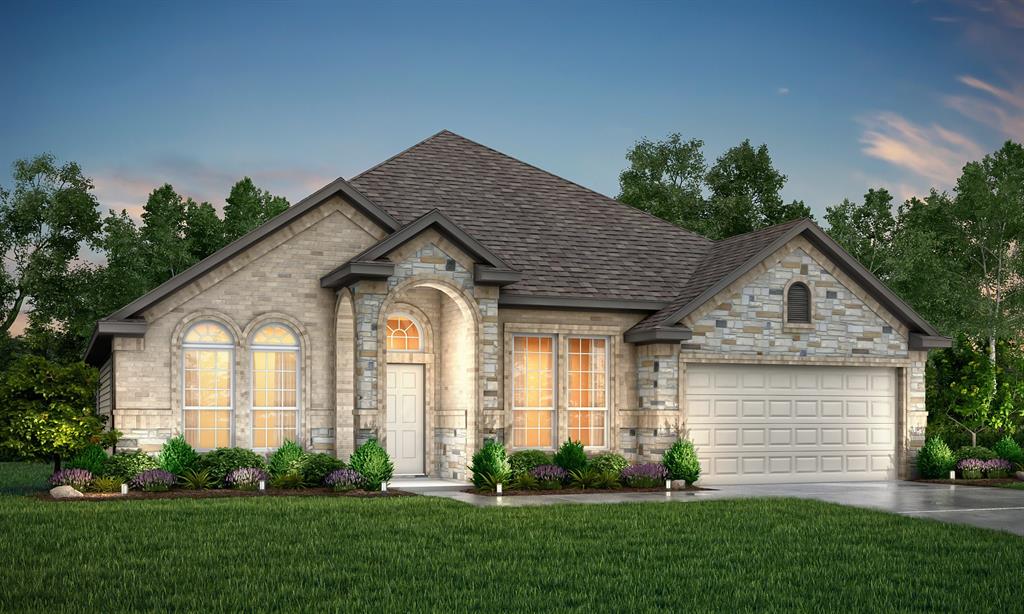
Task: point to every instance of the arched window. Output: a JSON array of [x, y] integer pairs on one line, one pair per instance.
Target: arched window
[[275, 386], [403, 334], [798, 304], [208, 350]]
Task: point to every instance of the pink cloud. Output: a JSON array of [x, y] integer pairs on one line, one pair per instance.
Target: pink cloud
[[933, 152], [1000, 108]]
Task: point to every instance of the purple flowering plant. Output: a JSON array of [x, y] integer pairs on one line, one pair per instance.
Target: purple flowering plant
[[246, 478], [646, 475], [154, 480], [549, 475], [76, 478], [998, 468], [343, 480]]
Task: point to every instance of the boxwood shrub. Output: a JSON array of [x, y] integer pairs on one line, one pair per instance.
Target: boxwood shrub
[[935, 460], [523, 461], [319, 466], [373, 463], [177, 456], [127, 465], [608, 462], [222, 461], [681, 462], [289, 458], [1009, 450], [490, 465], [978, 452]]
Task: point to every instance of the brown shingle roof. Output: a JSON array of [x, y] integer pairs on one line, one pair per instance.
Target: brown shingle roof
[[565, 239]]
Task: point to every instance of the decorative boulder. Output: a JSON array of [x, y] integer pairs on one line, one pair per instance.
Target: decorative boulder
[[65, 492], [1020, 475]]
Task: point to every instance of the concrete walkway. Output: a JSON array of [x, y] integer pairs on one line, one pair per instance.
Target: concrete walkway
[[992, 508]]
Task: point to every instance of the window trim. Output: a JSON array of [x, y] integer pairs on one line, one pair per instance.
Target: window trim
[[419, 329], [607, 387], [555, 389], [297, 350], [230, 348]]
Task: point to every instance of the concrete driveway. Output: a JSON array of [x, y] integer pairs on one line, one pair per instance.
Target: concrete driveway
[[992, 508]]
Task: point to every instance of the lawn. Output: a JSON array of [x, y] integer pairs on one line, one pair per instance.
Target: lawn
[[423, 553]]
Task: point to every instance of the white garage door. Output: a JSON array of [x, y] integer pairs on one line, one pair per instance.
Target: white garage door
[[762, 424]]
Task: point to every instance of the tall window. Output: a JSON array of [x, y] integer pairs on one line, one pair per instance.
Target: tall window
[[208, 374], [403, 334], [798, 304], [588, 391], [275, 379], [533, 392]]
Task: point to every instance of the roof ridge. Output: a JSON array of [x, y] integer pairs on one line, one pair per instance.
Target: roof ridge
[[766, 228], [538, 169]]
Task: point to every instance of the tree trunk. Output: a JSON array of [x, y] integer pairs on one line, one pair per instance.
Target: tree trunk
[[56, 463], [974, 439]]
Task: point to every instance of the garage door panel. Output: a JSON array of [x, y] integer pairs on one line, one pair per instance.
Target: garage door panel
[[781, 423]]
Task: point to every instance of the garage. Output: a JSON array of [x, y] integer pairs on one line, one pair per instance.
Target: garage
[[756, 424]]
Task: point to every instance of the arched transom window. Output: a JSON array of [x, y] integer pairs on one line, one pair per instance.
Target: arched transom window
[[208, 350], [275, 386], [798, 304], [403, 334]]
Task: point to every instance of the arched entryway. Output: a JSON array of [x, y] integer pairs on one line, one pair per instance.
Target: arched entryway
[[428, 377]]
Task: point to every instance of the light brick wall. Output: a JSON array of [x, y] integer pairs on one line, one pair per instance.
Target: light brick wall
[[278, 276]]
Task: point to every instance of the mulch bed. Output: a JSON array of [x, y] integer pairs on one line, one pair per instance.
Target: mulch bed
[[979, 482], [581, 491], [223, 493]]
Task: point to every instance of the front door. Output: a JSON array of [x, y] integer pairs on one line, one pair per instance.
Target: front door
[[405, 418]]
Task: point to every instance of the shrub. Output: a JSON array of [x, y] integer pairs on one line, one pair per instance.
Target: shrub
[[524, 461], [978, 452], [997, 468], [197, 479], [608, 462], [681, 462], [319, 466], [177, 456], [549, 477], [153, 480], [90, 458], [289, 458], [76, 478], [291, 481], [571, 456], [647, 475], [584, 478], [342, 480], [489, 466], [103, 484], [372, 462], [245, 478], [127, 465], [222, 461], [1009, 450], [608, 480], [971, 468], [525, 481], [935, 460]]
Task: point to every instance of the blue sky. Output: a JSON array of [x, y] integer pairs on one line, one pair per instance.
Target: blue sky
[[846, 95]]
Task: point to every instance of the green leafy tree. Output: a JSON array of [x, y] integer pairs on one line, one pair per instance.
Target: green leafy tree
[[746, 192], [249, 206], [46, 409], [204, 229], [45, 221], [865, 229], [666, 179]]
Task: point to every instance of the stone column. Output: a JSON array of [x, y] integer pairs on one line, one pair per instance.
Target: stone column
[[659, 418]]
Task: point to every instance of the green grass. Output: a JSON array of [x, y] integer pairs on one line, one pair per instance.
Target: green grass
[[424, 553], [1014, 485], [23, 478]]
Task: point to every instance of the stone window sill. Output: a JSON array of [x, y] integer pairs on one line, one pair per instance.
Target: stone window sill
[[797, 327]]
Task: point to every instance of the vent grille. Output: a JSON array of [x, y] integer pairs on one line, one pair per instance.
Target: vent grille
[[798, 304]]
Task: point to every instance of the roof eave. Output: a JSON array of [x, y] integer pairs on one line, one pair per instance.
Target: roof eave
[[354, 271], [928, 342], [100, 344], [484, 274], [578, 302], [659, 334]]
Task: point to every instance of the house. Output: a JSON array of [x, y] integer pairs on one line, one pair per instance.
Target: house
[[453, 294]]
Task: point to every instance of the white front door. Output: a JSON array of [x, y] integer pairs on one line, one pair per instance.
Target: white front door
[[405, 418], [764, 423]]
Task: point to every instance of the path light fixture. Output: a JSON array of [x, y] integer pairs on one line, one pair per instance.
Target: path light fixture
[[952, 474], [668, 484], [383, 486], [499, 488], [263, 485], [124, 489]]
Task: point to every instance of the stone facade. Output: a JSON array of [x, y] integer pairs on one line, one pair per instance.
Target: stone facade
[[467, 351]]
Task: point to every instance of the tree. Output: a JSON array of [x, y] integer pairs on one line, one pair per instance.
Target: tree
[[163, 234], [666, 179], [745, 192], [247, 207], [865, 229], [670, 179], [46, 409], [204, 229], [44, 223]]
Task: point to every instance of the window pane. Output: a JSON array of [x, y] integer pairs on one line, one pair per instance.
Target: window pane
[[275, 393], [208, 332], [588, 359], [402, 334], [533, 391], [275, 334]]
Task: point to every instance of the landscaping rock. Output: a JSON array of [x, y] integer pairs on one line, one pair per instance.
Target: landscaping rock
[[1020, 475], [65, 492]]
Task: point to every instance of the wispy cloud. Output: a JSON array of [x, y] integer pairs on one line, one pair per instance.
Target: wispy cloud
[[782, 91], [932, 152], [999, 108]]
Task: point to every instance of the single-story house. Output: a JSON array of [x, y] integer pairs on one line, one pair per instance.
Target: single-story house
[[453, 294]]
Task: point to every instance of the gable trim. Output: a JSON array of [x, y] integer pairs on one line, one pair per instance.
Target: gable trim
[[817, 237]]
